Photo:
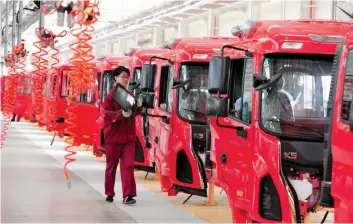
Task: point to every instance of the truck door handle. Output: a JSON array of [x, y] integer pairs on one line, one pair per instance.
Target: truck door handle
[[224, 158]]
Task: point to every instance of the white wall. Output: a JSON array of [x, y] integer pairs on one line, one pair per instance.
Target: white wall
[[197, 28], [169, 33]]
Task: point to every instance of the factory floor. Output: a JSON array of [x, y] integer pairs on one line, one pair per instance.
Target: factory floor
[[33, 188]]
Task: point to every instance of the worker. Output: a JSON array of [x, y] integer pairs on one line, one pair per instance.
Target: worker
[[119, 139]]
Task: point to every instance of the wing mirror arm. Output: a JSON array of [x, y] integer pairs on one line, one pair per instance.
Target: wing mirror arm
[[177, 83], [152, 115]]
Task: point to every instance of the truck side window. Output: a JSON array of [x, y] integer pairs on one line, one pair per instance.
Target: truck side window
[[241, 89], [165, 89], [347, 98], [64, 84], [90, 95]]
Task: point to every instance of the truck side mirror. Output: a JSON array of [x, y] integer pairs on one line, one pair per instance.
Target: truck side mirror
[[217, 106], [124, 98], [218, 75], [147, 100], [351, 117], [148, 77]]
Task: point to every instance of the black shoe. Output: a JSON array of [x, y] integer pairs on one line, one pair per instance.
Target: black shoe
[[129, 200], [109, 199]]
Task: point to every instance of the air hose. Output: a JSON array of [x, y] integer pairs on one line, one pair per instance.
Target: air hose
[[37, 75], [51, 122], [82, 70]]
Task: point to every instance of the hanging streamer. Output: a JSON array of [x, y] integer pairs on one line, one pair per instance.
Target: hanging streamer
[[82, 71]]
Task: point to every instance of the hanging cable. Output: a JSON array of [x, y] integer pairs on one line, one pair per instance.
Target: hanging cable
[[82, 70]]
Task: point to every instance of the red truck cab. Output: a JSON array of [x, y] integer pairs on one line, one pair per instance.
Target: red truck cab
[[23, 97], [267, 117], [174, 89], [338, 155], [144, 159], [83, 109]]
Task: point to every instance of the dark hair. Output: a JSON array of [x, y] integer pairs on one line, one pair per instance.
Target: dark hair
[[117, 71]]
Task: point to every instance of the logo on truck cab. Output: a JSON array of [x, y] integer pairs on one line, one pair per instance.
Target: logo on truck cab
[[290, 155]]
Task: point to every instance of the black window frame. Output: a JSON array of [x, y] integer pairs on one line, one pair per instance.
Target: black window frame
[[164, 84], [347, 70]]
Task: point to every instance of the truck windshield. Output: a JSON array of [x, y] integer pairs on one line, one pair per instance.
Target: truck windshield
[[297, 104], [193, 96], [107, 85]]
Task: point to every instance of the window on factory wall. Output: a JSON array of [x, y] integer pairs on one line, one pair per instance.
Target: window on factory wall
[[347, 98], [165, 89]]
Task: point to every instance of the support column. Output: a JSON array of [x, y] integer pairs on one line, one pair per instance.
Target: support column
[[210, 23], [158, 36], [20, 22], [108, 47], [284, 5], [249, 9], [13, 23], [181, 28], [6, 27], [1, 21], [334, 10]]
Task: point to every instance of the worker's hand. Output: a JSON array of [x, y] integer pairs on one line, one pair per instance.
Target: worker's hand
[[139, 103], [127, 113]]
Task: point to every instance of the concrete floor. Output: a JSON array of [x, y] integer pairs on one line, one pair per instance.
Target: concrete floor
[[33, 188]]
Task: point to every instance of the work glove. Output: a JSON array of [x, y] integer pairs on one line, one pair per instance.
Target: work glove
[[127, 113]]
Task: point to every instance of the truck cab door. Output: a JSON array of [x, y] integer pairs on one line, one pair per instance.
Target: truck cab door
[[233, 149], [164, 109], [342, 133]]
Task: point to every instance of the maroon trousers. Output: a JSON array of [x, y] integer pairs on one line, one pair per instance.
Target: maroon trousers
[[126, 154]]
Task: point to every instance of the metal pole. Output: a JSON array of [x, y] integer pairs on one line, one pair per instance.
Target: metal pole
[[334, 9], [41, 17], [6, 27], [20, 22], [1, 20], [249, 9], [13, 23], [284, 4]]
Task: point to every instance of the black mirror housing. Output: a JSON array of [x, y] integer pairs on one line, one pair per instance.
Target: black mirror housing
[[217, 106], [147, 100], [148, 77], [123, 97], [351, 117], [219, 71]]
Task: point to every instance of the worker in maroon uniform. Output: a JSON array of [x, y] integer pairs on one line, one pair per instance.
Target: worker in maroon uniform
[[120, 137]]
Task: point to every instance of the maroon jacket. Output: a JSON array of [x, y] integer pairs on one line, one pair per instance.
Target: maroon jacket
[[117, 128]]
